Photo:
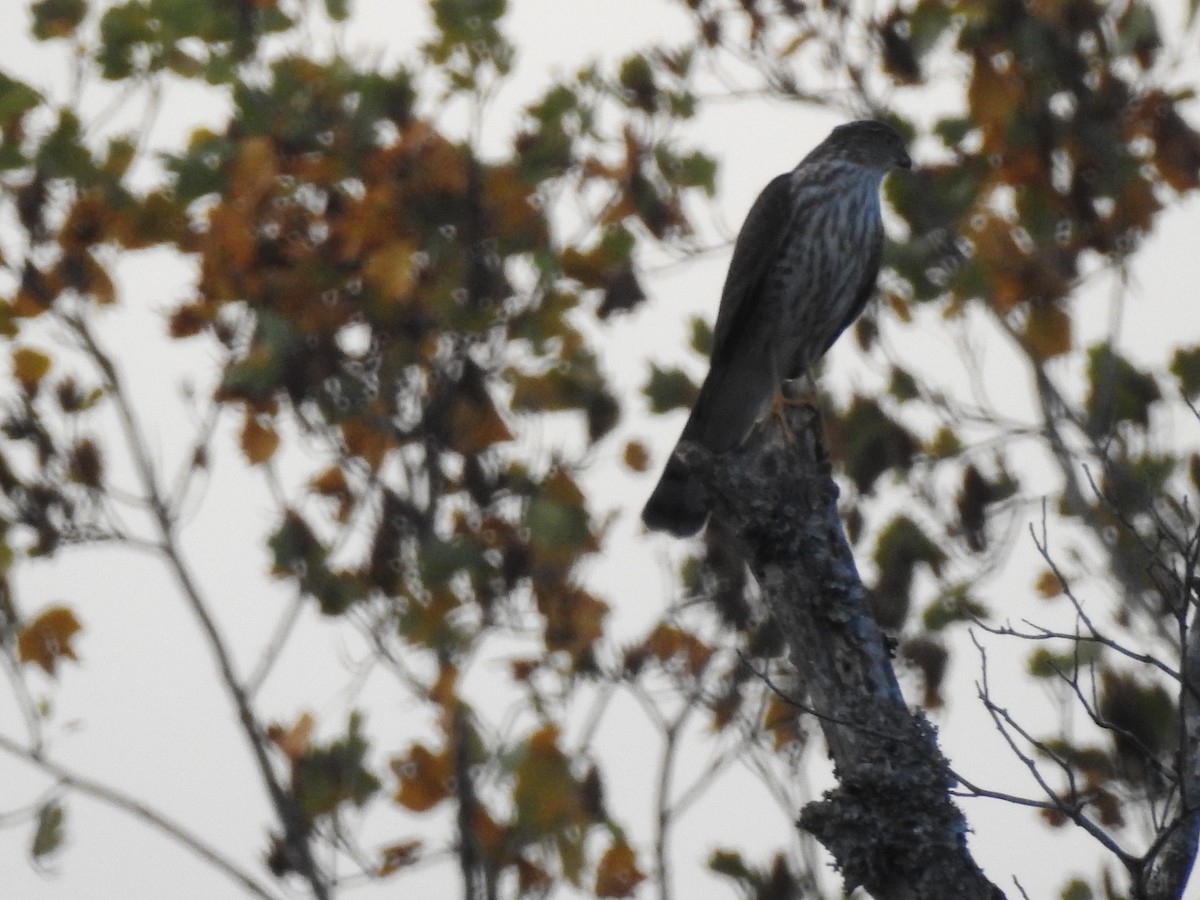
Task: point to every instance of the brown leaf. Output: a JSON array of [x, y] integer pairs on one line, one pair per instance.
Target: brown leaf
[[783, 720], [930, 657], [972, 503], [511, 211], [667, 643], [259, 439], [254, 171], [392, 269], [1048, 331], [365, 442], [332, 484], [1108, 805], [188, 320], [617, 874], [295, 741], [48, 836], [398, 856], [47, 639], [86, 465], [475, 424], [426, 778], [637, 458], [1048, 585], [29, 367], [574, 619]]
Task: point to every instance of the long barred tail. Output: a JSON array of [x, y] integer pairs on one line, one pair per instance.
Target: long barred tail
[[679, 504]]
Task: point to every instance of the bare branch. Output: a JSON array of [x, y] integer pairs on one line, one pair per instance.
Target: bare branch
[[295, 831], [119, 800]]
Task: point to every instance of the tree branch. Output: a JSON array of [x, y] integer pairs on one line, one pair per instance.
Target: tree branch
[[139, 810], [296, 833], [891, 824]]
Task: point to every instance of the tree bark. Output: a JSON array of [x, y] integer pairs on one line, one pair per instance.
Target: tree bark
[[1171, 862], [890, 825]]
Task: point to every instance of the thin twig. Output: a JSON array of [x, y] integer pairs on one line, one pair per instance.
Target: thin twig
[[295, 832], [120, 800]]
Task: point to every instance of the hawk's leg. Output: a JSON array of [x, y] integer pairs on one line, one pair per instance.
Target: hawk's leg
[[799, 391]]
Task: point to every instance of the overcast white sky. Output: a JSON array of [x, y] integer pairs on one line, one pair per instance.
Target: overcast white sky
[[146, 715]]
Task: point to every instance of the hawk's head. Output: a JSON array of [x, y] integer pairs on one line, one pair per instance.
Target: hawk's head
[[867, 143]]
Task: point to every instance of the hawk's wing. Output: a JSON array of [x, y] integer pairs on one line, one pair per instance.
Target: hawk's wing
[[756, 248]]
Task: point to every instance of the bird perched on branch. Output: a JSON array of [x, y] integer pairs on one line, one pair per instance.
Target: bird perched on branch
[[803, 268]]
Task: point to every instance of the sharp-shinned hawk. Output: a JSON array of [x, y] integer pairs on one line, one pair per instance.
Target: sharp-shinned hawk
[[803, 268]]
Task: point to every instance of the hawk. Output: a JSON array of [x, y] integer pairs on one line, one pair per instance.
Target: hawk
[[803, 268]]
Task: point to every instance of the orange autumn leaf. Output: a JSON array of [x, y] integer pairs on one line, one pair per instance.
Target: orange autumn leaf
[[425, 778], [618, 874], [259, 439], [47, 639], [330, 483], [370, 444], [392, 269]]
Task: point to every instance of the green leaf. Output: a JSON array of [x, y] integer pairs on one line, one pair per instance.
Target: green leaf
[[637, 79], [696, 170], [701, 337], [927, 23], [57, 18], [294, 548], [553, 523], [1185, 366], [198, 171], [669, 389], [550, 803], [48, 836], [335, 592], [1076, 889], [903, 385], [955, 605], [16, 99], [1045, 663], [338, 10], [326, 777], [63, 155], [870, 442], [1137, 31], [441, 560], [903, 545], [730, 864], [122, 29], [1119, 392]]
